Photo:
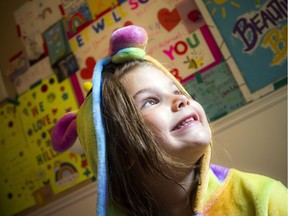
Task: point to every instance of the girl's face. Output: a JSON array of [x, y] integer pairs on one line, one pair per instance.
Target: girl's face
[[184, 131]]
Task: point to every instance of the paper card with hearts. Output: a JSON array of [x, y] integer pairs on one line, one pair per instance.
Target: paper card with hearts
[[184, 51], [190, 15], [178, 37], [40, 108]]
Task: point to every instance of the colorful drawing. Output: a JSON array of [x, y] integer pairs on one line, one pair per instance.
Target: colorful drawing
[[190, 15], [34, 46], [99, 8], [195, 60], [18, 64], [168, 19], [65, 67], [40, 108], [56, 42], [29, 31], [217, 91], [17, 169], [75, 21], [255, 32], [65, 173], [76, 15], [172, 49]]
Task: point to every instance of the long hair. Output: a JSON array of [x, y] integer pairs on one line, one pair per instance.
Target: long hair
[[132, 150]]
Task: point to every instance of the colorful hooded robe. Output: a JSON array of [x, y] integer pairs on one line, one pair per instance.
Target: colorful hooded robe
[[220, 191]]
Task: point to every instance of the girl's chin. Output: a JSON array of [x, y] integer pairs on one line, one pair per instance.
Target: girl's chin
[[203, 138]]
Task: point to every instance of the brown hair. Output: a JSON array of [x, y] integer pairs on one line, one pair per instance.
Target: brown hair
[[132, 151]]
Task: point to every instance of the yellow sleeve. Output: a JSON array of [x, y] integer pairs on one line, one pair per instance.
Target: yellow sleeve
[[278, 202]]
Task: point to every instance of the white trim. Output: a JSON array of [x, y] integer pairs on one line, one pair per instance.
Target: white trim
[[66, 201]]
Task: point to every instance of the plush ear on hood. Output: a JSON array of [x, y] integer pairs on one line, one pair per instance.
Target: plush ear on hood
[[64, 133]]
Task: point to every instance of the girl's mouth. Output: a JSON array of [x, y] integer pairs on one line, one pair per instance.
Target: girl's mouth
[[184, 122]]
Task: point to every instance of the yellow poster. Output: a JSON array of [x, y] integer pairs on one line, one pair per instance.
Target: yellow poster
[[98, 8], [40, 108], [17, 182]]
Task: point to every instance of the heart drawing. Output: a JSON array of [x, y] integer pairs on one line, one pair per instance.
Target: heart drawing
[[86, 72], [169, 20]]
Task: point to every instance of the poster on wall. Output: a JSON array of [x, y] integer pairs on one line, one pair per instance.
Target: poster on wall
[[3, 91], [56, 42], [98, 8], [40, 108], [18, 64], [32, 19], [178, 37], [255, 33], [217, 91], [33, 75], [76, 15], [16, 171]]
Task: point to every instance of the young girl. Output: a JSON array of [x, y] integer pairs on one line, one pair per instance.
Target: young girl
[[149, 143]]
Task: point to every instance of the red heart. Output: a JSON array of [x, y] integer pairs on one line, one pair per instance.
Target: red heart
[[127, 23], [86, 73], [54, 111], [167, 19], [194, 15]]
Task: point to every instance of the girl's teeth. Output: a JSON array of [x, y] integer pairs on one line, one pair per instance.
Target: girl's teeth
[[185, 123]]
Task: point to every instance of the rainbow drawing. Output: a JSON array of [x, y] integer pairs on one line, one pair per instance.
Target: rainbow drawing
[[75, 21], [65, 174]]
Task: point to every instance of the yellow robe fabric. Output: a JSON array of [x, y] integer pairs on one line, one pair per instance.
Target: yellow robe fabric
[[244, 194], [239, 194]]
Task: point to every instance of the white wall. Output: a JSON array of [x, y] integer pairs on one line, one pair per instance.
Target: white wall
[[252, 139]]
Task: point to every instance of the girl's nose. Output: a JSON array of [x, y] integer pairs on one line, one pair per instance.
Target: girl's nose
[[179, 102]]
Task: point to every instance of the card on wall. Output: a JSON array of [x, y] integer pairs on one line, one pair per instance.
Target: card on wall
[[34, 74], [17, 173], [49, 13], [29, 31], [217, 91], [76, 15], [255, 33], [3, 91], [61, 58], [99, 8], [40, 109], [32, 19], [56, 42], [17, 65], [183, 52]]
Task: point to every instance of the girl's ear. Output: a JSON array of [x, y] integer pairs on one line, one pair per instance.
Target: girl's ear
[[64, 133]]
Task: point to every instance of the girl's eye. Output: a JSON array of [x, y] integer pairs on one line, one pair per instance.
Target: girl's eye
[[177, 92], [149, 102]]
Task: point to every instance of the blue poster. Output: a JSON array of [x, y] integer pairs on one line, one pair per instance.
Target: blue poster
[[255, 33], [217, 91]]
